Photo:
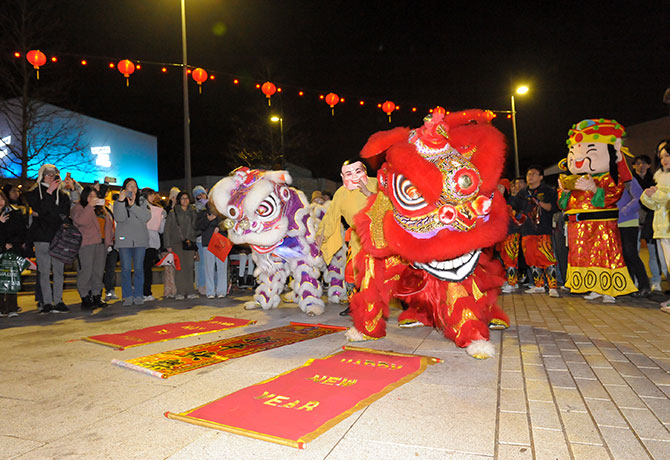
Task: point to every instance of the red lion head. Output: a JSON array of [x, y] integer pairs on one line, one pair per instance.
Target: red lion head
[[439, 185]]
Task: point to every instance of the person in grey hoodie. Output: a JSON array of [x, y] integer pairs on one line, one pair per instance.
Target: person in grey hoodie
[[131, 213]]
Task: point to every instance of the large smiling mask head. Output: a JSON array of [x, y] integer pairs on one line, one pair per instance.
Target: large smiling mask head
[[594, 146]]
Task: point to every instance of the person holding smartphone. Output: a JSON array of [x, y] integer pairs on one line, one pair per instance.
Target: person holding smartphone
[[50, 208], [96, 227], [131, 213]]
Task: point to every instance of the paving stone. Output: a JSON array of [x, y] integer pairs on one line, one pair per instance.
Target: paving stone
[[624, 396], [561, 379], [512, 452], [512, 400], [660, 407], [539, 390], [544, 415], [580, 428], [609, 376], [550, 445], [580, 370], [644, 387], [589, 452], [658, 376], [511, 380], [606, 413], [659, 449], [646, 425], [513, 428], [591, 388], [623, 444]]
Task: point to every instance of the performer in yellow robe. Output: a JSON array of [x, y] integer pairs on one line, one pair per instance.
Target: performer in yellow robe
[[348, 200], [589, 198]]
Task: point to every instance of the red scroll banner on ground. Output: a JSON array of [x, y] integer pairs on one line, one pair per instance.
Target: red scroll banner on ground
[[297, 406], [173, 362], [167, 332]]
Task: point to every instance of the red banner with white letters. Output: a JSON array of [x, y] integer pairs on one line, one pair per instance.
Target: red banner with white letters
[[169, 331], [297, 406]]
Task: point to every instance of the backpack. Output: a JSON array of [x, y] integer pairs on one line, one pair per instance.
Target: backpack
[[65, 244]]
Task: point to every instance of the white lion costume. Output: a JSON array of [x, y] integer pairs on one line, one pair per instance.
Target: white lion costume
[[278, 223]]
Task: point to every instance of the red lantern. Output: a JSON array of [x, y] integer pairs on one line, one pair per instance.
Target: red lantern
[[332, 99], [268, 89], [388, 107], [37, 59], [126, 68], [439, 109], [200, 76]]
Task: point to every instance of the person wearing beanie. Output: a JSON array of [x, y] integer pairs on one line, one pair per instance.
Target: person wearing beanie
[[50, 208], [200, 202]]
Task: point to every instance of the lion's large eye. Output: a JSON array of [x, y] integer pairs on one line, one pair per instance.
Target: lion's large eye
[[467, 181], [233, 212], [269, 207], [407, 194]]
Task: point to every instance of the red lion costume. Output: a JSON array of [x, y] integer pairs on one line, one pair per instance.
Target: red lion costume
[[423, 234]]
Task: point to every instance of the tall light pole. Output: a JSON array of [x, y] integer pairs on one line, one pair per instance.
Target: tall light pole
[[520, 90], [276, 119], [187, 117]]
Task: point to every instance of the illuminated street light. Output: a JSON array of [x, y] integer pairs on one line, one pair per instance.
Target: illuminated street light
[[275, 119], [520, 90]]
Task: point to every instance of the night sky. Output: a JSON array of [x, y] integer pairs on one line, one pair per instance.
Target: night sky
[[590, 59]]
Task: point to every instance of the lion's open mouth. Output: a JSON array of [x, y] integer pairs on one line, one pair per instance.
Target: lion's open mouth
[[456, 269]]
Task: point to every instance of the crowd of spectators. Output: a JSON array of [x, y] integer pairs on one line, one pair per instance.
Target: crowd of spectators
[[133, 226]]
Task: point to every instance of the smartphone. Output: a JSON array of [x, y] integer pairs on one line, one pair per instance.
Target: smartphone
[[129, 195]]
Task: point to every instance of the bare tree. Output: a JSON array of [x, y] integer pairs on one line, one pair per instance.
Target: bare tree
[[33, 131]]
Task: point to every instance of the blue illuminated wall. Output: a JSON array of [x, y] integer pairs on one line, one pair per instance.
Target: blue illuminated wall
[[107, 150]]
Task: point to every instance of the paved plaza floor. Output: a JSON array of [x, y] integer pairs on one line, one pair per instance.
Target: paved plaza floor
[[572, 379]]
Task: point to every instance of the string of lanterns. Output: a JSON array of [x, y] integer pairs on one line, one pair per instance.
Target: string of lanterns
[[127, 67]]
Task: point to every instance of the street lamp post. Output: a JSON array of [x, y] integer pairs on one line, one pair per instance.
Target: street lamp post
[[276, 119], [187, 117], [519, 90]]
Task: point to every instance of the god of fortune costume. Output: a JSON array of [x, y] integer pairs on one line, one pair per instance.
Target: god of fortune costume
[[595, 260]]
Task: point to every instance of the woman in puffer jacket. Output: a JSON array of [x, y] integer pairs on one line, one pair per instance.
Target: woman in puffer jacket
[[131, 213], [657, 198]]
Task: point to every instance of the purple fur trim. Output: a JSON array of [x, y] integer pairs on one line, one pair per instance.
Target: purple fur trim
[[292, 207], [308, 279], [337, 282]]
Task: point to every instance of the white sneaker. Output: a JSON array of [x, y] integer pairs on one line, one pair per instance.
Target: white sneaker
[[149, 298], [535, 290], [221, 296], [13, 314], [193, 296], [111, 295], [593, 295], [508, 289], [553, 293], [608, 299], [410, 324], [128, 302], [210, 296], [179, 297], [656, 287]]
